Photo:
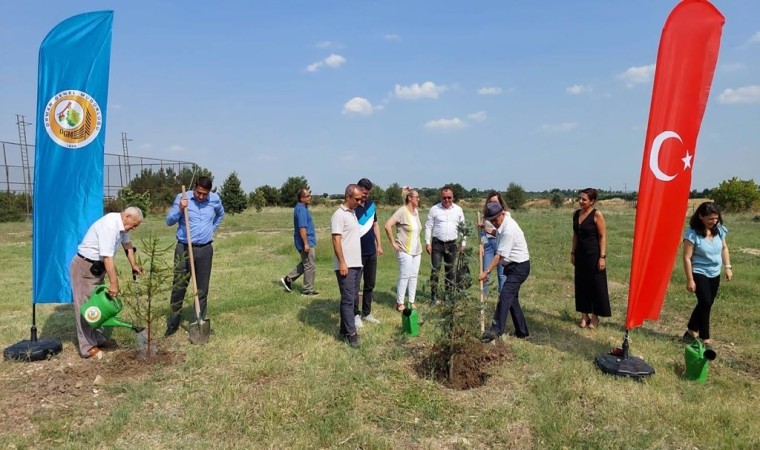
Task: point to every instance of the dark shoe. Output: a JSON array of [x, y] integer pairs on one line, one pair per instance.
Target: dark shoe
[[688, 337], [522, 336], [309, 293], [172, 324], [353, 340], [489, 336], [287, 283]]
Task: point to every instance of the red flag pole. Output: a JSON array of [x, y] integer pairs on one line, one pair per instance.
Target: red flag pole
[[686, 62]]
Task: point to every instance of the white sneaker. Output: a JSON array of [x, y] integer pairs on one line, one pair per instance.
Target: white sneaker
[[358, 321], [371, 319]]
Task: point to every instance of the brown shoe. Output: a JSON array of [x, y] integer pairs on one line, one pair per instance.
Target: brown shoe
[[93, 353]]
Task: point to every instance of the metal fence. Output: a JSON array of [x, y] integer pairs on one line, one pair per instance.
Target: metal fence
[[118, 170]]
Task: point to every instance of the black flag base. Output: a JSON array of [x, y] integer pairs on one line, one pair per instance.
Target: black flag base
[[33, 349], [618, 362]]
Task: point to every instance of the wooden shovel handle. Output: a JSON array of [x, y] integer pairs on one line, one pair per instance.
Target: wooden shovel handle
[[192, 261], [480, 264]]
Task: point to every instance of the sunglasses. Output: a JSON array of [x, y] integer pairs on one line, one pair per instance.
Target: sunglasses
[[447, 198]]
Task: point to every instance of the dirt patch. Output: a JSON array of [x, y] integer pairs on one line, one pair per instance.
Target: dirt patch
[[750, 251], [68, 382], [463, 367]]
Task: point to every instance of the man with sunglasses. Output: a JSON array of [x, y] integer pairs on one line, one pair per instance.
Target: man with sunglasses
[[347, 261], [441, 240], [305, 239], [366, 214]]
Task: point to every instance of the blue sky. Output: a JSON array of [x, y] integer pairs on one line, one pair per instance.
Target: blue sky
[[542, 93]]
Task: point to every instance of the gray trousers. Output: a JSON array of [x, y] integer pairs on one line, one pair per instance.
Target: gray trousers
[[82, 284], [308, 268]]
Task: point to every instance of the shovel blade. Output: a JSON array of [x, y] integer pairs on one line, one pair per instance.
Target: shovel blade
[[198, 332]]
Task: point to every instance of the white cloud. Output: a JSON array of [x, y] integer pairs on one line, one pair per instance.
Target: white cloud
[[323, 44], [638, 75], [358, 106], [746, 94], [416, 91], [478, 116], [392, 37], [754, 39], [333, 61], [490, 91], [445, 124], [578, 89], [176, 148], [559, 128]]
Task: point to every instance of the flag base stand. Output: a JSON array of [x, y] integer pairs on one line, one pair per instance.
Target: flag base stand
[[618, 362], [33, 349]]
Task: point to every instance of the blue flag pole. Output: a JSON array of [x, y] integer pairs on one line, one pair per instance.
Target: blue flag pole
[[72, 96]]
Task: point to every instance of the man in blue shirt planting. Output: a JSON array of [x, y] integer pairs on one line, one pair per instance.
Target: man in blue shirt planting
[[205, 212]]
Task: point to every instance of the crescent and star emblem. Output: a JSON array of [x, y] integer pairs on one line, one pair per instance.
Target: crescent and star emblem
[[654, 156]]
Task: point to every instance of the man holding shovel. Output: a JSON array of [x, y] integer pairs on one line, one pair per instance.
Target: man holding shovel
[[205, 213], [94, 259]]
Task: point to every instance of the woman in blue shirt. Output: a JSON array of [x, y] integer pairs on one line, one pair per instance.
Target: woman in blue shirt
[[704, 251]]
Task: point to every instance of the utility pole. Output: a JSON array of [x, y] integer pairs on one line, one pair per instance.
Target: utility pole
[[125, 150], [21, 123]]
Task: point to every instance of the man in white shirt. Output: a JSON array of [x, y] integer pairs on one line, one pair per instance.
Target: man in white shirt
[[441, 240], [347, 260], [512, 257], [95, 259]]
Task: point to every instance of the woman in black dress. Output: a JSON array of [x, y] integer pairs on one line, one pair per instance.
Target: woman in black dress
[[589, 256]]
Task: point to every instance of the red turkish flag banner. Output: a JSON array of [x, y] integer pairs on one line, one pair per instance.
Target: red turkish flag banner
[[686, 62]]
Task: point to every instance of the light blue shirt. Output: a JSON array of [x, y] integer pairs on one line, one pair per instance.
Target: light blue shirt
[[205, 218], [706, 259]]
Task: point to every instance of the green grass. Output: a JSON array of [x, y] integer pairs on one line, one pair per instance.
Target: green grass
[[274, 374]]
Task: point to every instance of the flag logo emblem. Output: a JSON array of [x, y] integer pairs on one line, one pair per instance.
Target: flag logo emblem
[[92, 314], [73, 119]]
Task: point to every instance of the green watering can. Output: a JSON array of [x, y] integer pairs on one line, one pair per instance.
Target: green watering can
[[697, 361], [410, 321], [102, 310]]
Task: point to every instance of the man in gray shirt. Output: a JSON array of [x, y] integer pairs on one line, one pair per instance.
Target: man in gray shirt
[[347, 260]]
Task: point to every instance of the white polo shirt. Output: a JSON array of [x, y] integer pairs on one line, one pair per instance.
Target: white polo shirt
[[103, 236], [345, 224], [510, 242]]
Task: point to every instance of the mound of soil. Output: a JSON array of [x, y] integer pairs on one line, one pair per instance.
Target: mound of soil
[[464, 366], [67, 381]]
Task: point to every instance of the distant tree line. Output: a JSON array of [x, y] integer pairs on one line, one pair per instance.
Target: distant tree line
[[154, 191]]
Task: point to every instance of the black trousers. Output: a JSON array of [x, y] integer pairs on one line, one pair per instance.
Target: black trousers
[[446, 252], [707, 290], [509, 300], [369, 275], [203, 257]]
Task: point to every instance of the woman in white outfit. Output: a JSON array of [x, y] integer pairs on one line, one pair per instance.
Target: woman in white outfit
[[407, 245]]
